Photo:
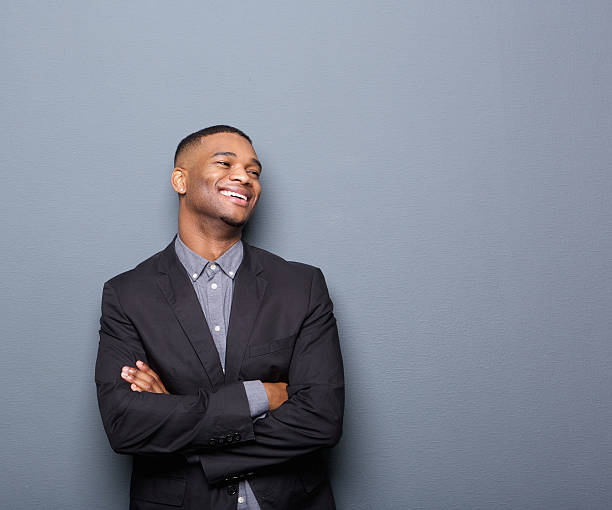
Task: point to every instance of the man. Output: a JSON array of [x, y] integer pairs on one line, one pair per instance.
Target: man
[[219, 366]]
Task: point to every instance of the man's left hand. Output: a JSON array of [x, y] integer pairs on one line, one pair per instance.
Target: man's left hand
[[143, 378]]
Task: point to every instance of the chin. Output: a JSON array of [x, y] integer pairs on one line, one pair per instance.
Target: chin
[[234, 223]]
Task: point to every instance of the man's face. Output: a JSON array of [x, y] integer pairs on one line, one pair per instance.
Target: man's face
[[222, 178]]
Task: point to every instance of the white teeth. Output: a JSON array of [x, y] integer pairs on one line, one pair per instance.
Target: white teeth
[[229, 193]]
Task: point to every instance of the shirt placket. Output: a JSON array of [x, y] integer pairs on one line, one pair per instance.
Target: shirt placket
[[214, 293], [213, 283], [215, 290]]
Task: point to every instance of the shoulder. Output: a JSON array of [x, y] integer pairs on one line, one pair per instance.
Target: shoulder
[[142, 274], [279, 267], [294, 282]]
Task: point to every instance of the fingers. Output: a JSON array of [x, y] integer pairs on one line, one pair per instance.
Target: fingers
[[285, 395], [145, 368], [143, 378], [277, 394], [146, 378], [143, 381]]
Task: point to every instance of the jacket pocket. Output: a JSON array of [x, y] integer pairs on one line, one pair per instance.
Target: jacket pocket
[[311, 479], [166, 491], [273, 346]]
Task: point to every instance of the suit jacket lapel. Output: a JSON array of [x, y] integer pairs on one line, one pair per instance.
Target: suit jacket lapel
[[181, 296], [249, 289]]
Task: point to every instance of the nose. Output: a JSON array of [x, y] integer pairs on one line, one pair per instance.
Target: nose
[[239, 174]]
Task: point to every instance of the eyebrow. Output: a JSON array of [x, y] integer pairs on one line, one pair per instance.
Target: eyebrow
[[254, 160]]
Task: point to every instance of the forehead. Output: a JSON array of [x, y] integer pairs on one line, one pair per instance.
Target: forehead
[[226, 142]]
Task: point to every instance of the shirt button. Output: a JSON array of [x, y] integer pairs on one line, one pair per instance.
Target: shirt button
[[213, 286], [195, 275], [240, 499], [213, 267], [231, 273], [217, 328]]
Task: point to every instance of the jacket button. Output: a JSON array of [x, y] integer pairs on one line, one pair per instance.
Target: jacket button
[[229, 438], [237, 436], [232, 490], [212, 442]]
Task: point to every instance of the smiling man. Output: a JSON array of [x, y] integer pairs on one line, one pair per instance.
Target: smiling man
[[219, 366]]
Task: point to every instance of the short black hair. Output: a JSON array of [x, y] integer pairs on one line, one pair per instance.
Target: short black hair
[[194, 138]]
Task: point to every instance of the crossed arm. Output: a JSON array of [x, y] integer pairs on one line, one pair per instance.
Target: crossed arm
[[140, 416], [143, 378]]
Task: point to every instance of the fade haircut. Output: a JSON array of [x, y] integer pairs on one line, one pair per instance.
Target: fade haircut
[[194, 138]]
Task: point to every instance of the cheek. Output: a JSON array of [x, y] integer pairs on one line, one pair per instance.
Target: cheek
[[203, 191], [256, 196]]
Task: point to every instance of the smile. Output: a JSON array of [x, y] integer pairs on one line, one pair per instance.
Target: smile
[[233, 194]]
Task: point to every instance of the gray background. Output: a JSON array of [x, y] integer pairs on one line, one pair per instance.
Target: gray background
[[447, 165]]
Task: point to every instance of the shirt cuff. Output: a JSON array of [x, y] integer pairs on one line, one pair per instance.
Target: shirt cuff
[[257, 397]]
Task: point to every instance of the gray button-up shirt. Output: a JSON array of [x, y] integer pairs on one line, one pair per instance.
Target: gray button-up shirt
[[214, 285]]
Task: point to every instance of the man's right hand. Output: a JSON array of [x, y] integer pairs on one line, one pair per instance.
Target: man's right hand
[[277, 394]]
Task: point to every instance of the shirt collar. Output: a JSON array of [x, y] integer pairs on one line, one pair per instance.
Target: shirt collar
[[230, 261], [195, 264]]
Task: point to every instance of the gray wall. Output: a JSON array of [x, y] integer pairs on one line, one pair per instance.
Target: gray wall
[[447, 164]]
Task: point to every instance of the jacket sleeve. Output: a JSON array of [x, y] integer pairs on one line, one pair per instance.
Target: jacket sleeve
[[311, 418], [148, 423]]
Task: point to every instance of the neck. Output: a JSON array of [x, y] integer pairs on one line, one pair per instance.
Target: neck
[[208, 240]]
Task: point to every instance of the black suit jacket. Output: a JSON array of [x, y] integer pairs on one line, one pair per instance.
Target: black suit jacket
[[281, 328]]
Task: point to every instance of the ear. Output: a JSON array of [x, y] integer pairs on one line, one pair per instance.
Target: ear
[[178, 180]]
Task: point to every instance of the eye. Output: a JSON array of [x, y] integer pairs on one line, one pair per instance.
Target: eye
[[254, 172], [224, 163]]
